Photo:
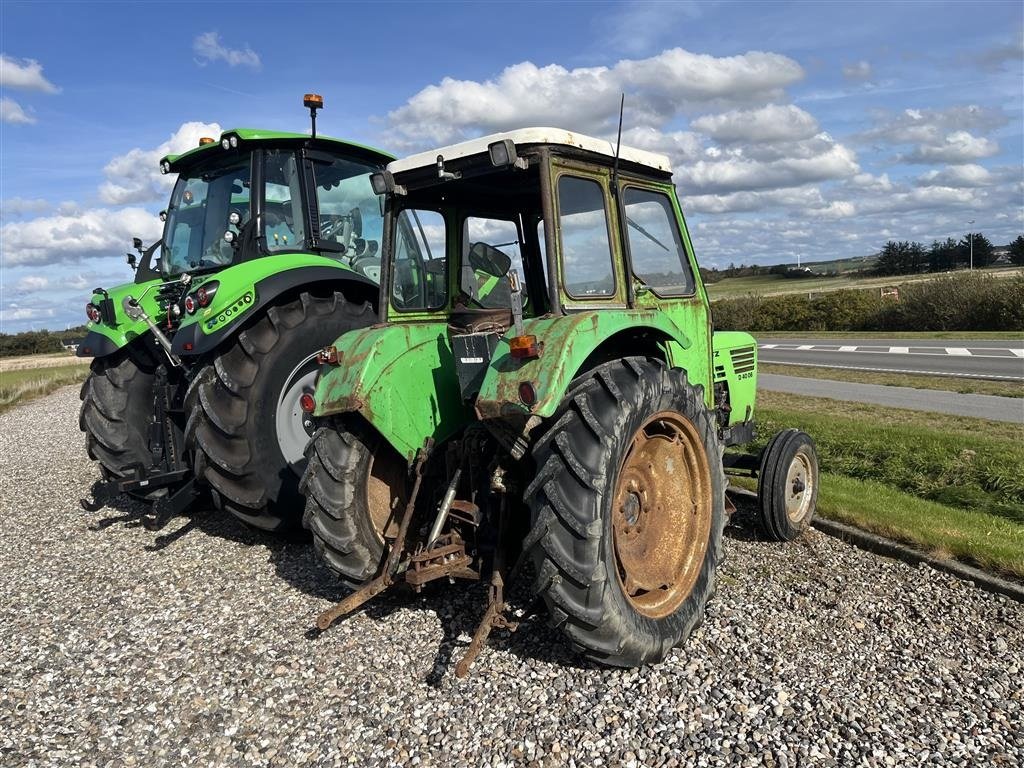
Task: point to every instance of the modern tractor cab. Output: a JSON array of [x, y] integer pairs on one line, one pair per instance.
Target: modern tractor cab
[[543, 386], [262, 227]]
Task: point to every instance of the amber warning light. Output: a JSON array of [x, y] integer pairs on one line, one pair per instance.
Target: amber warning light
[[524, 346]]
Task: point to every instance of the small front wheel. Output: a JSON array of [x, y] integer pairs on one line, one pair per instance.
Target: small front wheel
[[787, 490]]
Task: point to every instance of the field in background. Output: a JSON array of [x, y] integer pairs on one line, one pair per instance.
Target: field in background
[[31, 376], [777, 285], [950, 485]]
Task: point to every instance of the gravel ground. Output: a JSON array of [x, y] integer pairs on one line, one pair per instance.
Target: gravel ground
[[119, 646]]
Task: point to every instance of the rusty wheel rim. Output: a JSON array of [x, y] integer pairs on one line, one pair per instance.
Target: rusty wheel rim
[[385, 492], [799, 488], [661, 514]]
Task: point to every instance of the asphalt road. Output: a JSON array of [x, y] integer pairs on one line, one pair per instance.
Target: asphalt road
[[1000, 360], [1009, 409]]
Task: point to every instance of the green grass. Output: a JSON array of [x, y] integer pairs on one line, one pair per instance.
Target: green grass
[[946, 483], [773, 285], [22, 385], [985, 540], [943, 383], [909, 335]]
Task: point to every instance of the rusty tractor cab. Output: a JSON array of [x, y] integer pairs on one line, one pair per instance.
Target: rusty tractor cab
[[543, 387]]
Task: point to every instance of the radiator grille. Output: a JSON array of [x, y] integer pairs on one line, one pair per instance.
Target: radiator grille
[[742, 359]]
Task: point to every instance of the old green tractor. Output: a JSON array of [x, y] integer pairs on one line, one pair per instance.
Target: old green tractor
[[543, 386], [270, 250]]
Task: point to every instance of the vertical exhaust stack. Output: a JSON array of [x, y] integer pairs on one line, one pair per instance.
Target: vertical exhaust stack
[[314, 101]]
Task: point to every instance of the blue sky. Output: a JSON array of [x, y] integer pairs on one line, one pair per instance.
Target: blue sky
[[817, 130]]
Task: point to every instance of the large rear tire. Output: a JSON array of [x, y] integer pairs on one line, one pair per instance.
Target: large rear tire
[[355, 486], [246, 432], [628, 510], [117, 408]]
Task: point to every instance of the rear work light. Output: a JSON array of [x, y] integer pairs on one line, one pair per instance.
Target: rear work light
[[93, 312], [307, 402], [524, 347], [190, 304]]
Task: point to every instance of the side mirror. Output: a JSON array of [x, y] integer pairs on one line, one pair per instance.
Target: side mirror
[[137, 243], [489, 260], [131, 261]]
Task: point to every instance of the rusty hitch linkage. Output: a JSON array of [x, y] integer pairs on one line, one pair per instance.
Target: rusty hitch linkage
[[387, 575]]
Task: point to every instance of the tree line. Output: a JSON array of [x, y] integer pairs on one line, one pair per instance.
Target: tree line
[[37, 342], [904, 258]]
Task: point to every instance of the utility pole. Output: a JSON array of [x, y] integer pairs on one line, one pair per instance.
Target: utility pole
[[971, 236]]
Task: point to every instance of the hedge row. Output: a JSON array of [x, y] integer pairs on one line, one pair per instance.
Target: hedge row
[[962, 302]]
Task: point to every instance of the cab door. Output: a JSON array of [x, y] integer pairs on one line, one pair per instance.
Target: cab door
[[663, 271]]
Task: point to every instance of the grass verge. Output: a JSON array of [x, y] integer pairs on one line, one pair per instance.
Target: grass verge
[[22, 385], [944, 483], [943, 383]]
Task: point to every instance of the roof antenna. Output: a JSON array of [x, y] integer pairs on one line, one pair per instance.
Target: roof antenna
[[618, 146]]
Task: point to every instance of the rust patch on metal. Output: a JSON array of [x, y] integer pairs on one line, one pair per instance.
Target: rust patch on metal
[[448, 557], [661, 514]]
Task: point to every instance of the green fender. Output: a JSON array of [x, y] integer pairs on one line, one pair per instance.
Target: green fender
[[242, 289], [105, 337], [567, 343], [401, 378]]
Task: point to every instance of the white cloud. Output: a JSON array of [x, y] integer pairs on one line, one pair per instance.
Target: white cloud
[[70, 238], [858, 70], [11, 112], [16, 207], [656, 88], [25, 314], [956, 147], [770, 123], [24, 74], [208, 48], [135, 177], [32, 283], [930, 126], [969, 175], [747, 201], [995, 57], [739, 172]]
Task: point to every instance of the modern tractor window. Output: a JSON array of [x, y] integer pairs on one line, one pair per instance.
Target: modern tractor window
[[198, 217], [420, 273], [655, 245], [282, 207], [350, 213], [586, 250], [490, 248]]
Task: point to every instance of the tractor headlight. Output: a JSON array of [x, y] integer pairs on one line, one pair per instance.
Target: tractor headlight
[[225, 144], [233, 141], [92, 312]]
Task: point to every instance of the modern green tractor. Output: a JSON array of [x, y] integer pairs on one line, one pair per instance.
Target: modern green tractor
[[270, 250], [542, 385]]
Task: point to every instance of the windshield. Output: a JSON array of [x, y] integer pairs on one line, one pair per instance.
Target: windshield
[[197, 217]]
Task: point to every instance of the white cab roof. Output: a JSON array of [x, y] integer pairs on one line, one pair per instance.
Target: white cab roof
[[532, 136]]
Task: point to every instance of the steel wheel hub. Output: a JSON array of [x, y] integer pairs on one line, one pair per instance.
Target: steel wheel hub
[[799, 488], [661, 514], [294, 426]]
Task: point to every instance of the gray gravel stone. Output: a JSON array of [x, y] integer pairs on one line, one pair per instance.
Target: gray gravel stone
[[119, 646]]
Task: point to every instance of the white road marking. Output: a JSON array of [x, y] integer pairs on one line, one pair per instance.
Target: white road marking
[[1018, 352], [806, 346], [897, 370], [899, 350], [768, 346], [847, 349], [958, 351]]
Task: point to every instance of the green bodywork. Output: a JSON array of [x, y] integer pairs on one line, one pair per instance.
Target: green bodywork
[[237, 293], [401, 376], [125, 330]]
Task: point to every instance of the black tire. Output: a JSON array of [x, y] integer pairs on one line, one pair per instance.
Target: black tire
[[579, 459], [117, 408], [346, 517], [788, 449], [232, 430]]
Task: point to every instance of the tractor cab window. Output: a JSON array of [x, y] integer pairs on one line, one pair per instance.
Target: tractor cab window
[[285, 228], [585, 248], [197, 217], [350, 213], [420, 280], [655, 244], [490, 249]]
